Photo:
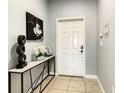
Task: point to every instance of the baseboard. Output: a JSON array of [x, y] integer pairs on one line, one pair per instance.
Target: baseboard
[[103, 91], [52, 73], [86, 76], [91, 76]]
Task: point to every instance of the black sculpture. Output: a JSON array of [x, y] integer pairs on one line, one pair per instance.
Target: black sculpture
[[20, 51]]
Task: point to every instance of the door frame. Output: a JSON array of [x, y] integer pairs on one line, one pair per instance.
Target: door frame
[[57, 42]]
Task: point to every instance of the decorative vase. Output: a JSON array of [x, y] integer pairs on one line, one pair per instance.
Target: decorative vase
[[40, 58]]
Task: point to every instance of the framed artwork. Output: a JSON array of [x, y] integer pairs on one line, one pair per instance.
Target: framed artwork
[[34, 27]]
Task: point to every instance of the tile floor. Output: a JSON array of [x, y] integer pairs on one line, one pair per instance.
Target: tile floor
[[67, 84]]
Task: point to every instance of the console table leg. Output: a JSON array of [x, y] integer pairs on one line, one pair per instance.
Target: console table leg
[[21, 82], [9, 79], [48, 68], [54, 66], [31, 81]]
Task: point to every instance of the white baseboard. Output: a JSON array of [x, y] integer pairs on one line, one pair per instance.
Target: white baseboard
[[103, 91], [52, 73], [91, 76]]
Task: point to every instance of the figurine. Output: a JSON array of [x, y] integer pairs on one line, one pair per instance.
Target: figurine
[[20, 51]]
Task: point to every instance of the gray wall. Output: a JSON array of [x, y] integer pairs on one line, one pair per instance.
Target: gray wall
[[106, 54], [17, 26], [76, 8]]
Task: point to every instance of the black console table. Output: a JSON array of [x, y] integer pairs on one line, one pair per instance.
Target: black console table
[[45, 62]]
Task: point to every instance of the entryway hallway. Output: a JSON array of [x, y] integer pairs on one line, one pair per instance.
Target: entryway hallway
[[68, 84]]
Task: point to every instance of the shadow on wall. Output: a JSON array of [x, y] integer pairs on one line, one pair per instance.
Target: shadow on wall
[[13, 57]]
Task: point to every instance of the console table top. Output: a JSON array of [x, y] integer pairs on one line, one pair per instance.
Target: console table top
[[30, 65]]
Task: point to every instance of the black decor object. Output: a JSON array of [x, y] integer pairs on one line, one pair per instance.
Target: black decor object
[[34, 27], [20, 51]]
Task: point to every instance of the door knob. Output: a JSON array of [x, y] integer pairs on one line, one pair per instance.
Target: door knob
[[81, 47], [81, 51]]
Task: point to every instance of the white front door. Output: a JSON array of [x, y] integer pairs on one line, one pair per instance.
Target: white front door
[[71, 47]]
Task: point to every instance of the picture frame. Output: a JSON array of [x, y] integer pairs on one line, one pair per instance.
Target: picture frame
[[34, 27]]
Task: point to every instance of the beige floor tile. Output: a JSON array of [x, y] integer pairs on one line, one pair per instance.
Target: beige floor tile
[[91, 81], [63, 77], [76, 85], [56, 91], [44, 84], [93, 90], [60, 84], [45, 90], [92, 86], [36, 90], [49, 77], [73, 92], [77, 78]]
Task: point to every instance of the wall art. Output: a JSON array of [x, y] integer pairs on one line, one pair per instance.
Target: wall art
[[34, 27]]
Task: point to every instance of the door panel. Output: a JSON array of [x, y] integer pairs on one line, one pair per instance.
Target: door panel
[[75, 40], [65, 40]]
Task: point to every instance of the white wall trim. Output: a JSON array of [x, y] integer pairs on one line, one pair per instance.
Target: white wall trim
[[57, 42], [103, 91], [52, 73], [91, 76]]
